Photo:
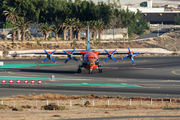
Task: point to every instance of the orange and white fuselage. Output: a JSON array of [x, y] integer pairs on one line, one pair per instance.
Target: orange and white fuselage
[[90, 60]]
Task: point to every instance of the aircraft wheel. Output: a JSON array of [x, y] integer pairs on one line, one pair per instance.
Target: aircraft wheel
[[79, 70], [90, 71], [100, 70]]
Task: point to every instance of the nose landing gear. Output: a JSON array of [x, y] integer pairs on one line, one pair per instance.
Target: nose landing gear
[[90, 71]]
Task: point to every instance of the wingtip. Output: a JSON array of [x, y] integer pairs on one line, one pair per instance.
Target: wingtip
[[117, 62], [42, 61], [133, 64], [122, 58], [103, 62]]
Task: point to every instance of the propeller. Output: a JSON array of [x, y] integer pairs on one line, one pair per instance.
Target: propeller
[[70, 56], [49, 56], [130, 55], [110, 56]]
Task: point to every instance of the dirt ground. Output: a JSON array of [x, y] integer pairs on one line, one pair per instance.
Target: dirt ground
[[31, 108]]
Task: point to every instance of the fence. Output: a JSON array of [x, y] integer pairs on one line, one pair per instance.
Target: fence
[[112, 103]]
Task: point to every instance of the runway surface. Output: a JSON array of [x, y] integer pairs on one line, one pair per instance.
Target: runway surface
[[151, 77]]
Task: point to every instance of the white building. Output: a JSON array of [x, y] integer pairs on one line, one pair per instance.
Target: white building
[[149, 3], [144, 9]]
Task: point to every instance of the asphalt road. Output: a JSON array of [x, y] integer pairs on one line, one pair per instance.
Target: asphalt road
[[155, 76], [154, 34], [128, 117]]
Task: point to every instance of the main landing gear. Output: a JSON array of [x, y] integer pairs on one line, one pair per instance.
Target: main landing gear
[[99, 69], [79, 69]]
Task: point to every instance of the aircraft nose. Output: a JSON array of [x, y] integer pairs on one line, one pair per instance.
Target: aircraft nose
[[91, 62]]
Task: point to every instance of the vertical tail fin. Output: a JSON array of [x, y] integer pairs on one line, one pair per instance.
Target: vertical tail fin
[[88, 44]]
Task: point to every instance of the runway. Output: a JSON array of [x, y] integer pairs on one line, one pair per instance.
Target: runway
[[151, 77]]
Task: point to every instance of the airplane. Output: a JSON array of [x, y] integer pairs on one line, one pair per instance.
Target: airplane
[[90, 58]]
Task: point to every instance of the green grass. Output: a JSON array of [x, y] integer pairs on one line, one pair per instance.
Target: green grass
[[77, 104]]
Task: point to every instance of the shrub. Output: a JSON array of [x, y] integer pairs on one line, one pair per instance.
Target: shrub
[[5, 53], [87, 103], [62, 108], [119, 96], [53, 106], [77, 104], [97, 42], [13, 43], [166, 106], [74, 42], [49, 37], [38, 42]]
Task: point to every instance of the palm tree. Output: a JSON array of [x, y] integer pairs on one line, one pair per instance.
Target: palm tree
[[56, 29], [99, 27], [11, 14], [14, 35], [71, 23], [22, 23], [64, 27], [78, 27], [93, 28], [45, 29]]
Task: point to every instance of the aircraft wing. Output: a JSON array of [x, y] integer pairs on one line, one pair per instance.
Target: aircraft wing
[[49, 54], [127, 52], [76, 52]]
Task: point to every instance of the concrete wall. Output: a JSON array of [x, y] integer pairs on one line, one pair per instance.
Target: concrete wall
[[111, 36]]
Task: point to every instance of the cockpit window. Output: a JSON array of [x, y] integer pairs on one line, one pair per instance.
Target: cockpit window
[[91, 57]]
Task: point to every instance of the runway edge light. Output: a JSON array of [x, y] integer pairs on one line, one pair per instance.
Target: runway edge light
[[18, 81], [39, 81], [10, 81], [25, 81], [3, 81], [32, 81]]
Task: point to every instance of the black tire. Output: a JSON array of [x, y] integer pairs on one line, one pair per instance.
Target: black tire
[[90, 71], [79, 70], [100, 70]]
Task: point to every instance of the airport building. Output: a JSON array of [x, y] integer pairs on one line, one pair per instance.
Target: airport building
[[155, 15]]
